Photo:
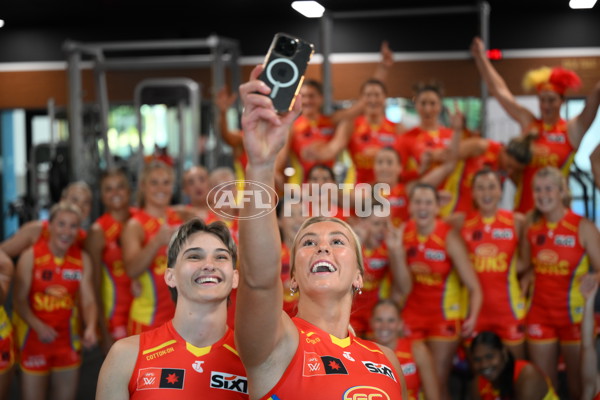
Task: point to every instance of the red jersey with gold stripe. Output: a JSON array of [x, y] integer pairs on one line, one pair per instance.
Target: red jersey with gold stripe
[[290, 302], [551, 148], [417, 141], [376, 264], [460, 182], [304, 133], [488, 392], [45, 234], [365, 141], [435, 294], [409, 367], [326, 367], [492, 244], [168, 367], [398, 199], [154, 305], [53, 295], [116, 284], [559, 261]]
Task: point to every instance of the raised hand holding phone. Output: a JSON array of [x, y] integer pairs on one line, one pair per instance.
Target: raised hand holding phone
[[284, 68]]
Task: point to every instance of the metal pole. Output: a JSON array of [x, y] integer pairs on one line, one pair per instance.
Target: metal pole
[[102, 98], [484, 27], [326, 32], [75, 114]]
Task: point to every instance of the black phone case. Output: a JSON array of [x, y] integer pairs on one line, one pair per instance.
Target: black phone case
[[284, 74]]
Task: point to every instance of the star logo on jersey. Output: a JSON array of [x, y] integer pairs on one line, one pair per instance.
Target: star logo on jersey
[[316, 365], [171, 378], [333, 366]]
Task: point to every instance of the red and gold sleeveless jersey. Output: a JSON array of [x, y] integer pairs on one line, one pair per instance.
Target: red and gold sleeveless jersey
[[398, 199], [376, 264], [492, 245], [409, 367], [54, 293], [45, 234], [435, 291], [116, 284], [154, 305], [414, 143], [304, 133], [364, 143], [559, 261], [168, 367], [550, 148], [460, 182], [488, 392], [326, 367]]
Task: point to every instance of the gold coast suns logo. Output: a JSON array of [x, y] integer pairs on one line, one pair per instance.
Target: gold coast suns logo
[[365, 393], [488, 259], [548, 262]]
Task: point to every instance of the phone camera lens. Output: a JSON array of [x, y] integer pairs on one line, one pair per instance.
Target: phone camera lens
[[286, 46]]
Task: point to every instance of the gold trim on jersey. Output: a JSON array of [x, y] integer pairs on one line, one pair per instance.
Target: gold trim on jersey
[[160, 346]]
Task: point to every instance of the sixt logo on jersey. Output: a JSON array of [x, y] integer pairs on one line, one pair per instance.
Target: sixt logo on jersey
[[502, 234], [382, 369], [565, 240], [223, 380]]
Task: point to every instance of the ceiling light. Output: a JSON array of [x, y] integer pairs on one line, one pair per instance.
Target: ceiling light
[[581, 4], [310, 9], [1, 23]]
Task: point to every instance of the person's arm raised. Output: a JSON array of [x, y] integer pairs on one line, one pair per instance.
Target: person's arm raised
[[266, 337], [498, 87], [578, 126]]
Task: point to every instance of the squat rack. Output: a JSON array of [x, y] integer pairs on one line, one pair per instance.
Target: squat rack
[[223, 52]]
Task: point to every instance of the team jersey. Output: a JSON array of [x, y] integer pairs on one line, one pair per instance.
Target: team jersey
[[551, 148], [398, 198], [116, 293], [460, 181], [376, 264], [417, 141], [154, 305], [409, 367], [326, 367], [53, 295], [492, 244], [366, 139], [168, 367], [488, 392], [290, 301], [45, 234], [435, 293], [559, 262], [304, 133]]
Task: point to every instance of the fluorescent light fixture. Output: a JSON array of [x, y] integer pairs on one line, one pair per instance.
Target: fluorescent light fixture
[[581, 4], [310, 9]]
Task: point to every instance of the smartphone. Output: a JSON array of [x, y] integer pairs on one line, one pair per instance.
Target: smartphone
[[285, 65]]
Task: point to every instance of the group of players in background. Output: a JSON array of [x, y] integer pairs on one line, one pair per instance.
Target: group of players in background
[[447, 276]]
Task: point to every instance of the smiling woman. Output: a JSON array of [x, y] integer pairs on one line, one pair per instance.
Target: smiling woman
[[500, 376], [313, 354]]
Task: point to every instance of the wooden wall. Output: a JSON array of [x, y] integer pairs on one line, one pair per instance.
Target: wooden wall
[[32, 89]]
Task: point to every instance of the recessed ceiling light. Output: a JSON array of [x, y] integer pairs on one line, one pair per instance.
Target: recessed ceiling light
[[310, 9], [1, 23], [581, 4]]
